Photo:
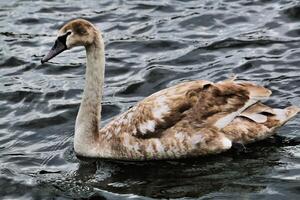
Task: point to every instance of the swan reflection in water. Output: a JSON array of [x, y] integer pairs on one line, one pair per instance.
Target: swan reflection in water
[[194, 177]]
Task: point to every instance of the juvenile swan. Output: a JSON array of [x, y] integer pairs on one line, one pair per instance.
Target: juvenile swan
[[189, 119]]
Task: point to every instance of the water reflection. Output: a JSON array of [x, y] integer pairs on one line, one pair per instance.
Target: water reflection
[[234, 172]]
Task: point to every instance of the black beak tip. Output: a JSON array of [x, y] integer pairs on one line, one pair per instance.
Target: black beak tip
[[58, 47]]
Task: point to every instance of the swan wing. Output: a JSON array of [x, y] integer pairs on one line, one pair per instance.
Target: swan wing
[[191, 119], [203, 102], [156, 112]]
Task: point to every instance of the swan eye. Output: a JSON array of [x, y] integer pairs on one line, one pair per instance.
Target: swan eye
[[80, 30]]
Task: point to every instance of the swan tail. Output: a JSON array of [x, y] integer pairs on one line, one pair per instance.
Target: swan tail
[[284, 115], [218, 104], [255, 91], [258, 122]]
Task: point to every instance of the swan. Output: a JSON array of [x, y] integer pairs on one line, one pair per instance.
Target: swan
[[192, 118]]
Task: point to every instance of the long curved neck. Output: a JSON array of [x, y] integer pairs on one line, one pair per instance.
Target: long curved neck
[[89, 115]]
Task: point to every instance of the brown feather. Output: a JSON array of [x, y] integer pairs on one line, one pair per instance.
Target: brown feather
[[180, 121]]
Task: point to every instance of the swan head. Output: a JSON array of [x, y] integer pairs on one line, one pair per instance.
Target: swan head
[[77, 32]]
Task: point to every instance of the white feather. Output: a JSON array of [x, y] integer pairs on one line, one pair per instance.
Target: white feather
[[196, 139], [224, 121], [280, 114], [159, 147], [147, 126], [226, 143], [161, 108]]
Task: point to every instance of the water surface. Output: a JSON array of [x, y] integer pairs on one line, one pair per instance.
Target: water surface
[[150, 45]]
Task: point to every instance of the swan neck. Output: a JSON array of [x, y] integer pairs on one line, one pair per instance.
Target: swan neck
[[89, 115], [94, 78]]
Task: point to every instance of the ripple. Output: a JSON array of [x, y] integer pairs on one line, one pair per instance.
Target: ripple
[[206, 20], [59, 9], [293, 33], [42, 122], [29, 21], [293, 12], [12, 62], [18, 96], [147, 46]]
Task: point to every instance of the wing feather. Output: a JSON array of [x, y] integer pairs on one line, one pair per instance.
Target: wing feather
[[203, 102]]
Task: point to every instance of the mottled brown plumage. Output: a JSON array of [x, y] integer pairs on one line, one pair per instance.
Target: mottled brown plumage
[[189, 119], [191, 131]]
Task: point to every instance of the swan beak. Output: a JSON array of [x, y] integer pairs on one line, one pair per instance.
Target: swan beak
[[58, 47]]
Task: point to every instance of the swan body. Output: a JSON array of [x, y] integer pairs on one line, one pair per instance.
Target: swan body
[[189, 119]]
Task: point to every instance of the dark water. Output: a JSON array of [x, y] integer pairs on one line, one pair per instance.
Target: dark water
[[150, 45]]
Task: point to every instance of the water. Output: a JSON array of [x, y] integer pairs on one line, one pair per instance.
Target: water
[[150, 45]]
